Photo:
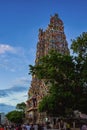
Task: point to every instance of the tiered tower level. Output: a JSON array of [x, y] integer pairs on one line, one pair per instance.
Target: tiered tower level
[[52, 38]]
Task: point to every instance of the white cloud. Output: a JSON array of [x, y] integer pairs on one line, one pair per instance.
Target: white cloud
[[14, 98], [6, 48], [15, 58], [15, 94]]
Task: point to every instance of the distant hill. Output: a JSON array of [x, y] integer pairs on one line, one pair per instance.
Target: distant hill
[[6, 108]]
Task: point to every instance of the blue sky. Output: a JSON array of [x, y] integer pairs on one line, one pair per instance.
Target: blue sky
[[20, 21]]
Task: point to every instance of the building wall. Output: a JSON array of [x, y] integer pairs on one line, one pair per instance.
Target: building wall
[[2, 118]]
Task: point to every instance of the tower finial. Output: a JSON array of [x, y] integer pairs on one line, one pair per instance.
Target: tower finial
[[56, 15]]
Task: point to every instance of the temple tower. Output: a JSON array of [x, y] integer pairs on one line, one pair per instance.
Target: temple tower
[[52, 38]]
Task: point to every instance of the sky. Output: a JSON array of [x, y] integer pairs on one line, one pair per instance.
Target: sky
[[20, 21]]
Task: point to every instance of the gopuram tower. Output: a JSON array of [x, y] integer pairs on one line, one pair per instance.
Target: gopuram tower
[[52, 38]]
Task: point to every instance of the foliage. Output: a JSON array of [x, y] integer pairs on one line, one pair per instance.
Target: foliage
[[21, 106], [66, 78], [79, 45], [58, 71], [15, 116]]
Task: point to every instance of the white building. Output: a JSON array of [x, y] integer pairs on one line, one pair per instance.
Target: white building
[[2, 118]]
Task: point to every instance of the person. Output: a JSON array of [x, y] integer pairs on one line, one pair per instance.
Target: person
[[28, 127], [61, 124], [1, 127], [32, 127], [23, 127], [67, 126], [44, 127], [84, 127], [35, 127], [18, 127]]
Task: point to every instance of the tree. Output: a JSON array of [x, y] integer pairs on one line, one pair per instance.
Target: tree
[[79, 47], [66, 78], [15, 116], [21, 106], [58, 72]]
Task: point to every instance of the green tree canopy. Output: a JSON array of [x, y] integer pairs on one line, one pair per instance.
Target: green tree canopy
[[21, 106], [15, 116], [57, 70], [79, 45], [66, 78]]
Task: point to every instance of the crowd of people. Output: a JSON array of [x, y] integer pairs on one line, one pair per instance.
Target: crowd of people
[[58, 126], [23, 127]]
